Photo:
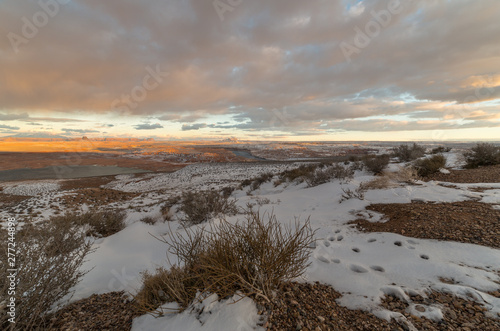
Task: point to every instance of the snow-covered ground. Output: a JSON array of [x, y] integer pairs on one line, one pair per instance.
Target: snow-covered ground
[[362, 266]]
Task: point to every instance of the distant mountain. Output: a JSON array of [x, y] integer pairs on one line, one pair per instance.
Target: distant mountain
[[37, 135]]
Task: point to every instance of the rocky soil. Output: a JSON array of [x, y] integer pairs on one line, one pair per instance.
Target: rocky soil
[[459, 314], [467, 221], [489, 174], [110, 311]]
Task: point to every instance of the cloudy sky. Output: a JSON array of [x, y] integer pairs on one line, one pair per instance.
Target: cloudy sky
[[252, 69]]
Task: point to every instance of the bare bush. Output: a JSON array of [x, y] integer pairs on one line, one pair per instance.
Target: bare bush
[[324, 175], [261, 179], [483, 154], [440, 150], [99, 224], [406, 153], [358, 193], [376, 164], [201, 206], [406, 175], [431, 165], [378, 183], [249, 258], [298, 174], [48, 261], [148, 220]]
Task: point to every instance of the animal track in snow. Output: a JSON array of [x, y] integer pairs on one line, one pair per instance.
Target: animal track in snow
[[357, 268], [323, 259], [425, 257], [355, 249], [371, 240], [336, 261], [377, 268], [332, 238], [326, 243], [398, 243], [339, 238], [337, 231]]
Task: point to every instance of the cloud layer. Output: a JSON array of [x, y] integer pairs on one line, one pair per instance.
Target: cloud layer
[[285, 65]]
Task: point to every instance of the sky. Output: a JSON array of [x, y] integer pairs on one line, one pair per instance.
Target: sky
[[252, 69]]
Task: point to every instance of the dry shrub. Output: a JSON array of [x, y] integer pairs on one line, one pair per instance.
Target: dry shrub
[[378, 183], [483, 154], [48, 261], [298, 174], [358, 193], [99, 224], [376, 164], [201, 206], [261, 179], [148, 220], [174, 285], [431, 165], [408, 175], [440, 150], [325, 174], [406, 153], [249, 258], [165, 208]]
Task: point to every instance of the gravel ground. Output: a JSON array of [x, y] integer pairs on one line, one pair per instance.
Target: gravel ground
[[489, 174], [297, 306], [459, 314], [467, 221], [110, 311]]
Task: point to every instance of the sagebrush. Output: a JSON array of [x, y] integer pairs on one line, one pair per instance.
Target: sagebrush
[[430, 165], [249, 258], [483, 154], [201, 206], [376, 164], [406, 153]]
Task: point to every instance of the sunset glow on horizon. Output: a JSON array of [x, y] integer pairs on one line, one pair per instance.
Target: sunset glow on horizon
[[346, 70]]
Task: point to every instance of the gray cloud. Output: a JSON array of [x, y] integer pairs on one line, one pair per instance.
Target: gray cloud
[[197, 126], [9, 127], [82, 131], [146, 126], [282, 55]]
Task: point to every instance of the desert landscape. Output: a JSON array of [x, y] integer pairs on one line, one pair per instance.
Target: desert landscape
[[233, 165], [401, 236]]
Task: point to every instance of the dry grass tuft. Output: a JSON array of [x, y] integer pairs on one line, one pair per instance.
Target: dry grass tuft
[[249, 258]]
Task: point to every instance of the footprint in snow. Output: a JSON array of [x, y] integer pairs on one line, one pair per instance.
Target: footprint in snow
[[336, 261], [327, 243], [412, 242], [355, 249], [425, 257], [398, 243], [331, 238], [337, 231], [323, 259], [377, 268], [357, 268], [371, 240], [339, 238]]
